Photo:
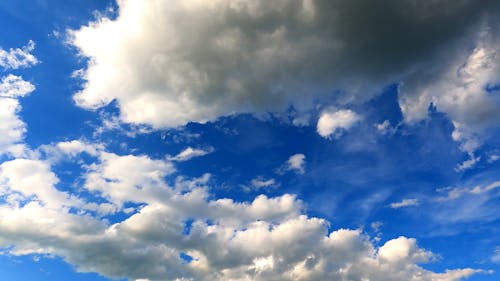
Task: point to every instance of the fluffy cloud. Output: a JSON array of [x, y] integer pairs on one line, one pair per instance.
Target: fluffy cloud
[[334, 122], [12, 87], [19, 57], [260, 182], [167, 64], [22, 179], [265, 239]]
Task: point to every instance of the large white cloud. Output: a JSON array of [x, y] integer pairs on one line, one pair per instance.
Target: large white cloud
[[167, 63], [266, 239]]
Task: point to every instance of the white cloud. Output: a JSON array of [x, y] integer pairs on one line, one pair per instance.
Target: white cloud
[[493, 158], [19, 57], [468, 164], [405, 203], [12, 128], [333, 122], [21, 179], [453, 193], [190, 153], [401, 250], [14, 86], [259, 183], [297, 163]]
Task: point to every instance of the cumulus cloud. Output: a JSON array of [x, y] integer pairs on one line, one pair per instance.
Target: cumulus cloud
[[297, 163], [190, 153], [22, 179], [167, 64], [335, 122], [18, 57], [405, 203], [69, 149], [453, 193], [13, 86], [265, 239]]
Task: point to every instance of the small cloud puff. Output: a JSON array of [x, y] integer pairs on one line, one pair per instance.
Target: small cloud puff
[[297, 163], [333, 122], [190, 153]]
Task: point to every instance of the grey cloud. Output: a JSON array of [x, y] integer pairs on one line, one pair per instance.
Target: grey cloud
[[196, 61]]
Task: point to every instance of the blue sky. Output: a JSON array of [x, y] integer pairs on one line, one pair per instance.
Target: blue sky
[[260, 140]]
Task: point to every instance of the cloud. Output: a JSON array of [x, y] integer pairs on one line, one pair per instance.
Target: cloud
[[190, 153], [264, 239], [14, 86], [259, 183], [167, 64], [12, 128], [385, 127], [405, 203], [69, 149], [334, 122], [19, 57], [297, 163]]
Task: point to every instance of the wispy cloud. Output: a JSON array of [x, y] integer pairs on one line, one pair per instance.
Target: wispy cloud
[[190, 153], [405, 203]]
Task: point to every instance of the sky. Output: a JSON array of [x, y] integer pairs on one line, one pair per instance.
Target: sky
[[249, 140]]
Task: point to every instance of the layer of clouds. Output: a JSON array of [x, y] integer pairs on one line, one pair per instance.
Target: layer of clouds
[[167, 64], [265, 239], [333, 122]]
